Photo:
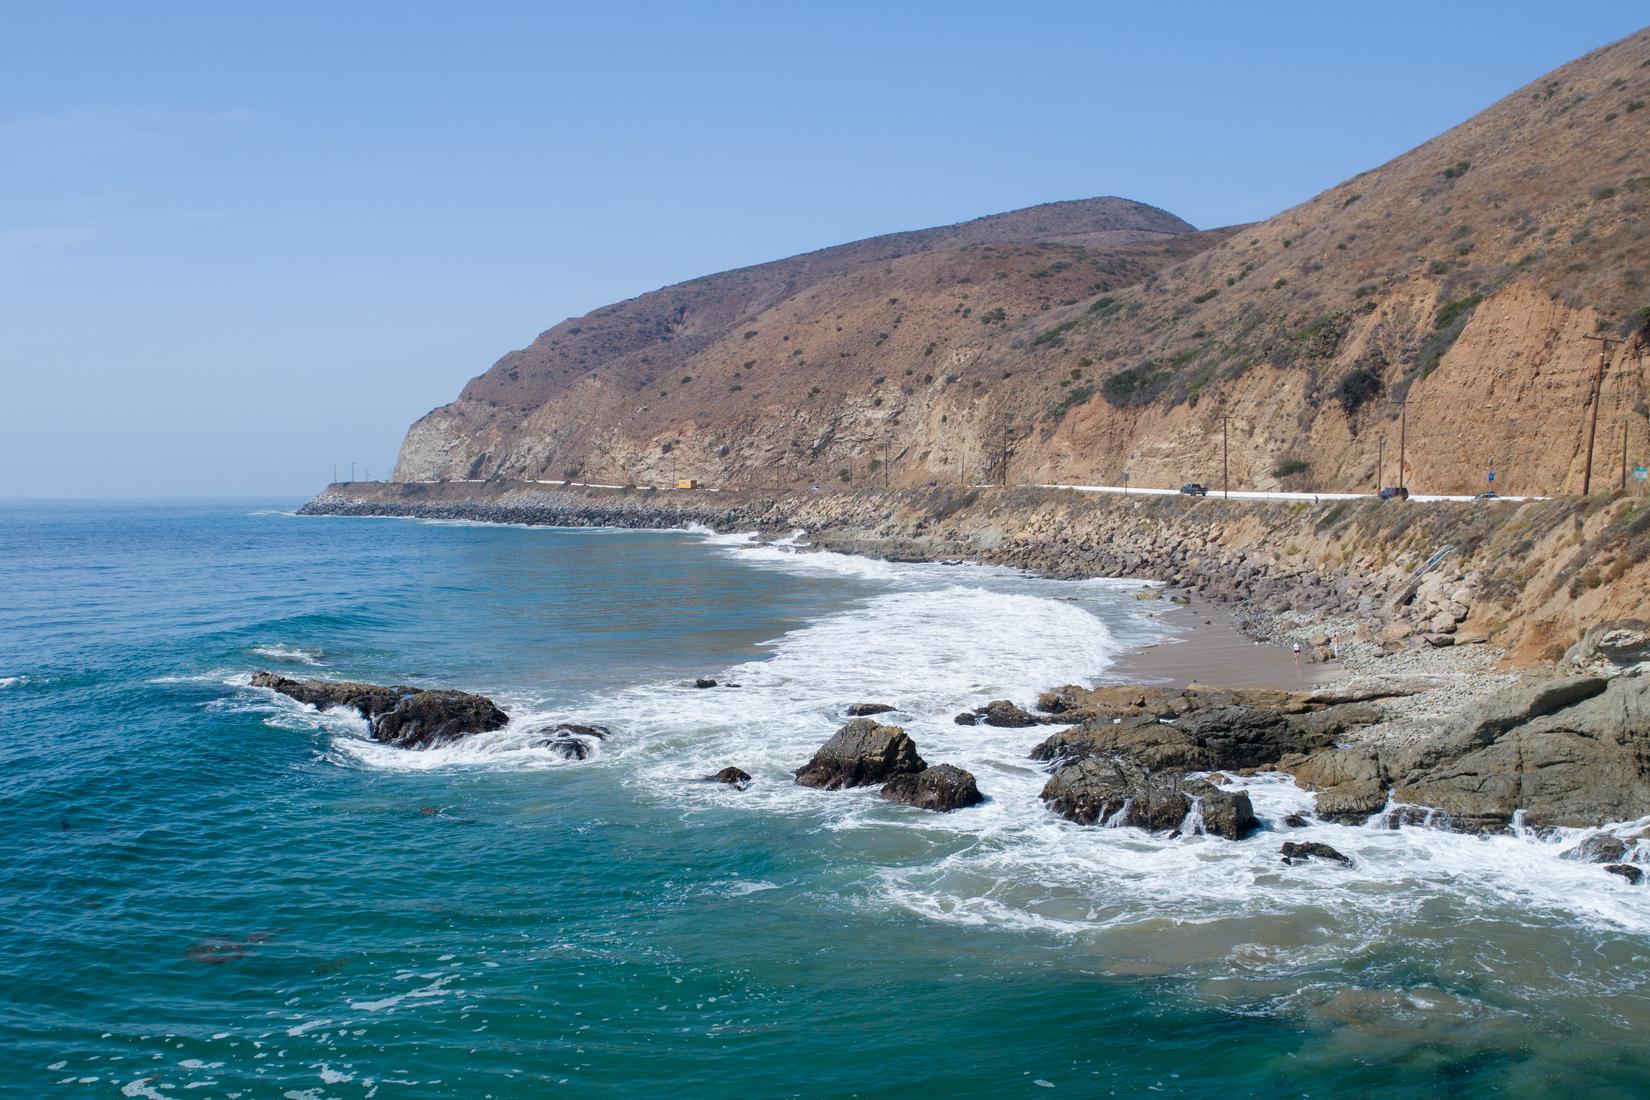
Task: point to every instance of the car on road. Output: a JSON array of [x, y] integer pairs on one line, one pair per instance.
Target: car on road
[[1193, 489], [1394, 492], [1489, 494]]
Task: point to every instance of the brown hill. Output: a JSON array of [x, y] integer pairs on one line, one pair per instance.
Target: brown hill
[[1086, 340]]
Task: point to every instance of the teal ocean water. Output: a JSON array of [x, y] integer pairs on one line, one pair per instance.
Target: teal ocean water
[[207, 890]]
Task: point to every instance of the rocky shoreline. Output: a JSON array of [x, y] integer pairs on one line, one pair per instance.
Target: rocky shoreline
[[1424, 722]]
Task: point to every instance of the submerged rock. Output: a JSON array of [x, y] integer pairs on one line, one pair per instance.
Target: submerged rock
[[859, 754], [737, 778], [1301, 852], [407, 717], [1297, 821], [865, 710], [1633, 875], [704, 682], [943, 787]]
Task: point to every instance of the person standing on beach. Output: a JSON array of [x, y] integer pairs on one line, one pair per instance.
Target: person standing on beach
[[1297, 653]]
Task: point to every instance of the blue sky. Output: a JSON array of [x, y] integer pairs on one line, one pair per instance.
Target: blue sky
[[241, 243]]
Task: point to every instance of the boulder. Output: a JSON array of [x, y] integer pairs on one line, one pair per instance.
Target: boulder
[[1598, 848], [943, 787], [737, 778], [865, 710], [407, 717], [859, 754], [967, 718], [704, 682], [1111, 792], [1297, 821], [1301, 852], [568, 748], [1633, 875]]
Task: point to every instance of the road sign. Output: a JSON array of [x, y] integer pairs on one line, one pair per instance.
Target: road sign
[[1492, 475], [1642, 472]]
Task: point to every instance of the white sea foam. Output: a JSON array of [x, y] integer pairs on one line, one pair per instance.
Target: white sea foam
[[290, 653], [13, 681]]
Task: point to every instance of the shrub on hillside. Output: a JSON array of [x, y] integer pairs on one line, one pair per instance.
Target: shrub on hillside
[[1134, 386], [1357, 387]]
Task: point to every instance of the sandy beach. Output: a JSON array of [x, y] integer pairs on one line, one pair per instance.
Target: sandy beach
[[1209, 649]]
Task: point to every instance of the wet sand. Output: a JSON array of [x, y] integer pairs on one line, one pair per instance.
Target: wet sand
[[1208, 649]]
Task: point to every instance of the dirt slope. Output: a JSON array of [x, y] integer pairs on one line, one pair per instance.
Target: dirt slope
[[1082, 341]]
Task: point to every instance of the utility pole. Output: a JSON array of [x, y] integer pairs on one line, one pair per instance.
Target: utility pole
[[1225, 459], [1004, 471], [1624, 454], [1604, 345], [1403, 437], [885, 464], [1380, 464]]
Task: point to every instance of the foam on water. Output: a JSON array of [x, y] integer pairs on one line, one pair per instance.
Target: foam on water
[[936, 640], [298, 655]]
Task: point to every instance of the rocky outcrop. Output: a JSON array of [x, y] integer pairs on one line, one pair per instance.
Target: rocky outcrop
[[1633, 875], [1348, 781], [406, 717], [860, 754], [1617, 648], [1572, 752], [1598, 848], [1115, 792], [866, 710], [943, 787]]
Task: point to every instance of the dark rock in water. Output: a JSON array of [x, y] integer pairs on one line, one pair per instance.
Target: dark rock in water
[[967, 718], [859, 754], [1297, 821], [1300, 853], [429, 718], [1634, 875], [734, 777], [1114, 792], [368, 700], [1001, 712], [865, 710], [704, 682], [407, 717], [1600, 848], [575, 729], [943, 787], [568, 748]]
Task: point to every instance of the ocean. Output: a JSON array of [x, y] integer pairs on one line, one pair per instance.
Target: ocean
[[207, 887]]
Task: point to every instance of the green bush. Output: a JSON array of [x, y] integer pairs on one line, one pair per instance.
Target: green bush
[[1357, 387], [1456, 170], [1289, 467], [1134, 386], [1450, 312], [1078, 395]]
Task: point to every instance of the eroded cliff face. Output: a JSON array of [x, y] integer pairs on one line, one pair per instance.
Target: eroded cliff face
[[1079, 342]]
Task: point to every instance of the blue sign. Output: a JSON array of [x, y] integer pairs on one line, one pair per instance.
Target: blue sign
[[1492, 475], [1642, 473]]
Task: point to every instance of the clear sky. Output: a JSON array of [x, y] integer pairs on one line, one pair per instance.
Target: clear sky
[[240, 243]]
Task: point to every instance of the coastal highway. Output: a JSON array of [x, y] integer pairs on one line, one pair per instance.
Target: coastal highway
[[1127, 490], [1251, 494]]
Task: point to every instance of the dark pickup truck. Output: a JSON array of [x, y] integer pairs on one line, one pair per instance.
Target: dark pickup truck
[[1193, 489], [1394, 492]]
